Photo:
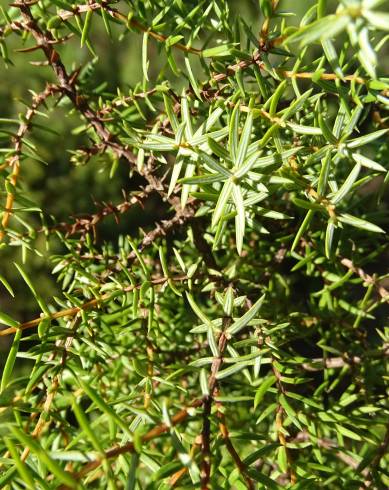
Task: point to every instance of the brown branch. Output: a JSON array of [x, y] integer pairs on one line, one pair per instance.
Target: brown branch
[[14, 160], [256, 60], [52, 389], [162, 229], [384, 293], [177, 476], [129, 447], [323, 76], [94, 303], [381, 452], [206, 434], [319, 364], [328, 444], [230, 448], [279, 425], [88, 223], [109, 140], [206, 430], [241, 65], [67, 85], [330, 363], [212, 387], [166, 226]]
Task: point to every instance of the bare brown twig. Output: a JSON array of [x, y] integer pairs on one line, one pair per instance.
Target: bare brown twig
[[366, 277], [14, 160], [85, 224]]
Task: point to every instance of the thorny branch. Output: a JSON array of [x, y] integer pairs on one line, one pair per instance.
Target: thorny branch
[[384, 293], [206, 431], [87, 223], [375, 462], [14, 160], [67, 85]]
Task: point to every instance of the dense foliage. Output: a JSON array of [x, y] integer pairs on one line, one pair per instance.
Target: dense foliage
[[233, 334]]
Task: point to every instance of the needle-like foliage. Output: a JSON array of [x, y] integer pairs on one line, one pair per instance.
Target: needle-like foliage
[[239, 339]]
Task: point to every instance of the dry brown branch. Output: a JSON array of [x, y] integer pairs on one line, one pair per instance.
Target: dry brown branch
[[129, 447], [68, 87], [279, 423], [366, 277], [14, 160]]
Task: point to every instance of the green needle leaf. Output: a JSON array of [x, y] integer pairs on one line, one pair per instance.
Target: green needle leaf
[[218, 51], [262, 390], [304, 226], [145, 63], [27, 441], [366, 162], [222, 201], [36, 295], [246, 318], [10, 362], [329, 238], [7, 285], [244, 140], [86, 28], [368, 138], [234, 133], [347, 184], [359, 223], [324, 28], [240, 218]]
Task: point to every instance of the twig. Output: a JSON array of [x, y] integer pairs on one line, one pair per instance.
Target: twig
[[52, 389], [384, 293], [14, 160], [230, 447], [279, 425], [87, 223], [206, 434], [129, 447], [89, 305], [161, 229], [381, 452], [67, 85], [328, 444], [212, 387]]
